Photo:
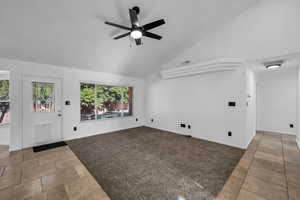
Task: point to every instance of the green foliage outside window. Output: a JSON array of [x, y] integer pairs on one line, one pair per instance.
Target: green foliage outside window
[[104, 100], [4, 101], [87, 98], [43, 97], [4, 90]]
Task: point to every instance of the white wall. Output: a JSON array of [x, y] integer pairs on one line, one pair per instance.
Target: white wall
[[71, 91], [201, 101], [4, 135], [277, 99], [251, 104]]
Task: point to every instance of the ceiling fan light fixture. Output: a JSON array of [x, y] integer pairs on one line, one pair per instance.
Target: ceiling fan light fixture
[[136, 31], [136, 34]]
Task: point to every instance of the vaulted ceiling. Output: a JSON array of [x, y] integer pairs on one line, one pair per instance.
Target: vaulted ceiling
[[72, 33]]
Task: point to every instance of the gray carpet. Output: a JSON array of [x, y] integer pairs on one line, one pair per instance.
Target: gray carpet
[[150, 164]]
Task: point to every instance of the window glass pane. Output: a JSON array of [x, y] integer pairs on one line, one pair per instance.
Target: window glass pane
[[127, 101], [87, 101], [43, 97], [105, 101], [113, 101], [4, 102]]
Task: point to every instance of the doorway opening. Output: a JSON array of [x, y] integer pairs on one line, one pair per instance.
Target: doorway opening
[[42, 111]]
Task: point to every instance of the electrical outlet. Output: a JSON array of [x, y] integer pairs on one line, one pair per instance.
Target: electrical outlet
[[75, 128], [182, 125], [232, 104], [189, 126], [229, 133]]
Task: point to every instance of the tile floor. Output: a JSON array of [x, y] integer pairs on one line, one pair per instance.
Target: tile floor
[[269, 170], [54, 174]]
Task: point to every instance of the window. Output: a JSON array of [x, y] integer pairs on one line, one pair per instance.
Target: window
[[43, 97], [103, 101], [4, 102]]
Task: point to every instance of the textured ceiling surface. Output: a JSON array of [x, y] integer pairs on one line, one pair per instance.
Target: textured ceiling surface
[[72, 33]]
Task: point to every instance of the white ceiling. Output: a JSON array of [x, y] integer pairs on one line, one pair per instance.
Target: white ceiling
[[72, 33]]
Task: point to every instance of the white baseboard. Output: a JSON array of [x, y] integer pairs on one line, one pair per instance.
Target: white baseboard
[[248, 142], [164, 129], [276, 132], [202, 138], [298, 142]]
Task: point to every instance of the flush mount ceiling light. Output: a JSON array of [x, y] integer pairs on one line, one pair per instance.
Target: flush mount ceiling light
[[273, 64], [136, 34]]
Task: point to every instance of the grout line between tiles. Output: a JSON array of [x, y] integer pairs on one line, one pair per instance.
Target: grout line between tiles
[[249, 168], [284, 167]]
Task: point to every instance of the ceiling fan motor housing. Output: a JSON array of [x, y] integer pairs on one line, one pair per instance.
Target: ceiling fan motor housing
[[136, 9]]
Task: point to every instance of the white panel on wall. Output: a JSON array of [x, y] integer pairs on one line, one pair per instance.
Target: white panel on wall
[[43, 133]]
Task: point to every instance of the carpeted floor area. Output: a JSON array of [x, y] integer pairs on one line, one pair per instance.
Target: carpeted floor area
[[149, 164]]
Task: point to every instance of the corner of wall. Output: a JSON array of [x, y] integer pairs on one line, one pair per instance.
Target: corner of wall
[[298, 142], [298, 109], [250, 99], [15, 140]]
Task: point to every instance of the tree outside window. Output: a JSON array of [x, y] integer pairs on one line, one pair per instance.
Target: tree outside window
[[102, 101], [4, 102]]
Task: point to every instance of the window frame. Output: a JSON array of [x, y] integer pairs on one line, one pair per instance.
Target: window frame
[[54, 99], [4, 125], [109, 84]]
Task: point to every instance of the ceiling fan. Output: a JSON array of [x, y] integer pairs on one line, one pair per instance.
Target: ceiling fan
[[136, 31]]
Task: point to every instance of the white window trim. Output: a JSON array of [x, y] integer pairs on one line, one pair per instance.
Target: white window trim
[[105, 84]]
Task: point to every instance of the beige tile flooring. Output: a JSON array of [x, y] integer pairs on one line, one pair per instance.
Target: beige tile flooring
[[54, 174], [269, 170]]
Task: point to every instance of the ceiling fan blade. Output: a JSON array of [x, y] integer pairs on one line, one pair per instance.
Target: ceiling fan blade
[[152, 35], [138, 41], [154, 24], [121, 36], [118, 26], [133, 17]]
